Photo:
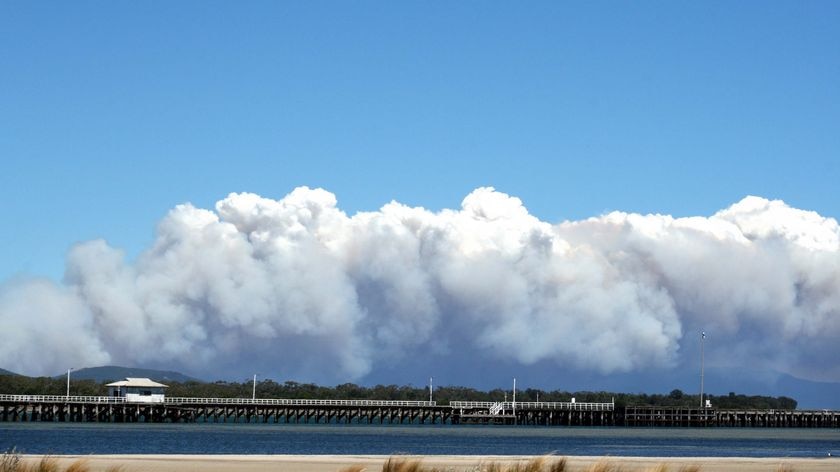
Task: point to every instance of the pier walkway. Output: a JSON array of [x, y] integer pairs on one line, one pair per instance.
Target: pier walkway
[[647, 416], [307, 411], [219, 410], [535, 413]]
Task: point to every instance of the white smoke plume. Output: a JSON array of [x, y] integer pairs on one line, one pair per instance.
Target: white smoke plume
[[296, 287]]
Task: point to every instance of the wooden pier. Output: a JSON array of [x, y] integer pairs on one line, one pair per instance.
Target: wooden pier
[[649, 416], [55, 408], [235, 410], [220, 410], [535, 413]]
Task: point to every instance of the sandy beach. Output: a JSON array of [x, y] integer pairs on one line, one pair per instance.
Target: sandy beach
[[334, 463]]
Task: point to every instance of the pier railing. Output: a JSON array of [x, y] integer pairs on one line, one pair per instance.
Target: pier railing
[[575, 406], [294, 402], [214, 401], [60, 399]]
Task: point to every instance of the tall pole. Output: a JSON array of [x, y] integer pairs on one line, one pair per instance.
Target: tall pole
[[430, 389], [68, 383], [702, 361], [514, 400], [254, 392]]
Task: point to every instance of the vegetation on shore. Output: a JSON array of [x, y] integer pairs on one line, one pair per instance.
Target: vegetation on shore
[[537, 464], [21, 385], [12, 461]]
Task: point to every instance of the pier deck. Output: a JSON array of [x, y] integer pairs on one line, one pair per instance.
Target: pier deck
[[675, 416], [306, 411]]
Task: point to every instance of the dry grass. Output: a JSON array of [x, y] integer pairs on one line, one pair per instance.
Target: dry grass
[[46, 464], [552, 464], [404, 465], [692, 468], [603, 466], [538, 464], [78, 466], [558, 465], [12, 462], [353, 468]]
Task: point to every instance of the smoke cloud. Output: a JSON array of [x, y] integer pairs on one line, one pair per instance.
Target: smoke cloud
[[297, 288]]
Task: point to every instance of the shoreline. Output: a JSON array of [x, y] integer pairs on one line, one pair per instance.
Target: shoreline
[[455, 463]]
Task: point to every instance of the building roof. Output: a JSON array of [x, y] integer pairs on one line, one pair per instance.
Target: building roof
[[136, 382]]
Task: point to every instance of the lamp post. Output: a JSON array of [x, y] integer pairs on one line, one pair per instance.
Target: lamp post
[[254, 391], [430, 390], [68, 383], [702, 360], [514, 400]]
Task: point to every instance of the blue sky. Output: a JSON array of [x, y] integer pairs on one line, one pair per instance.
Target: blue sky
[[113, 112]]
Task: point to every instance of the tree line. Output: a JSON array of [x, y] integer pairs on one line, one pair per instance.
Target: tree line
[[21, 385]]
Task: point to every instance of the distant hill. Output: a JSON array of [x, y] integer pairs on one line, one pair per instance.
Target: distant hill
[[7, 372], [111, 373]]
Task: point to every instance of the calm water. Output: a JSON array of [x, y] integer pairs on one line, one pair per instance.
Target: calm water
[[55, 438]]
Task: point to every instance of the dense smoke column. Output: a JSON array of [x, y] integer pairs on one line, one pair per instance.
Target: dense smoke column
[[295, 287]]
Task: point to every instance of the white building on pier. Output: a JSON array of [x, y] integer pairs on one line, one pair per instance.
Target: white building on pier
[[137, 390]]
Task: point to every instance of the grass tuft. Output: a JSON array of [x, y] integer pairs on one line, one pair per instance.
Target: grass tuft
[[492, 467], [558, 465], [534, 465], [10, 461], [46, 464], [78, 466], [402, 465], [603, 466]]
